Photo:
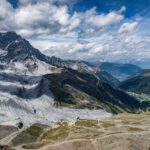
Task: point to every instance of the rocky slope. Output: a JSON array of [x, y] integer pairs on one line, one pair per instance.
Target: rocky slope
[[83, 66], [82, 90], [17, 55]]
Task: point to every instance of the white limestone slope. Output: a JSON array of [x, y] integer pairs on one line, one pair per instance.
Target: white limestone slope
[[23, 68], [14, 110]]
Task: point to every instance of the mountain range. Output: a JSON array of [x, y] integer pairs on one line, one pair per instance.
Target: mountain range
[[140, 83], [38, 88], [119, 71]]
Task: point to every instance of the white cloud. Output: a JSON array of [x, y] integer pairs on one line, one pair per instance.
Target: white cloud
[[74, 21], [105, 19], [42, 17], [6, 16], [5, 9], [128, 27], [80, 35], [36, 17]]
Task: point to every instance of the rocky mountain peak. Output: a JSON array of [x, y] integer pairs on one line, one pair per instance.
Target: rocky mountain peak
[[7, 38]]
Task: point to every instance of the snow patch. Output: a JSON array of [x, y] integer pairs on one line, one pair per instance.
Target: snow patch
[[17, 84]]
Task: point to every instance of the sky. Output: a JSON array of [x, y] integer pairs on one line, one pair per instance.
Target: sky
[[93, 30]]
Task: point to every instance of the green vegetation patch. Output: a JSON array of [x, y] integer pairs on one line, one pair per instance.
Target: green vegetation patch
[[58, 133], [107, 124], [78, 132], [28, 136], [87, 123], [142, 97], [35, 130], [134, 129]]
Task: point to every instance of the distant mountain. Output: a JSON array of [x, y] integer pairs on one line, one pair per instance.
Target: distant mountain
[[108, 78], [118, 70], [144, 63], [80, 66], [140, 83], [86, 67]]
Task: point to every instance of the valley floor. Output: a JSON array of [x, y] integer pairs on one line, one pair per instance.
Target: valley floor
[[120, 132]]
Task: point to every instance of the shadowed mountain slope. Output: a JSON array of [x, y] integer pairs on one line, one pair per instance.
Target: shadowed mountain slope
[[81, 89]]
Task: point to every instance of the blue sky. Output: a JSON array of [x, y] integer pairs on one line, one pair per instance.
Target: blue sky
[[14, 3], [133, 6], [105, 30]]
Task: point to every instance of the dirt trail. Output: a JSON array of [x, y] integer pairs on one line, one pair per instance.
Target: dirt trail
[[61, 143], [92, 141], [7, 140]]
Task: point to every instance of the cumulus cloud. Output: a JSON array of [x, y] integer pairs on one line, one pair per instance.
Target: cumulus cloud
[[105, 19], [44, 19], [88, 35], [37, 17], [128, 27], [5, 9]]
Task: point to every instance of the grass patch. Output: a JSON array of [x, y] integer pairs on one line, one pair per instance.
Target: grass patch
[[84, 105], [28, 136], [58, 133], [82, 132], [35, 130], [134, 129], [107, 124], [86, 123]]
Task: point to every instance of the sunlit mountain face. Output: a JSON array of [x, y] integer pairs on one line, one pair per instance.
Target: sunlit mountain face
[[97, 30]]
